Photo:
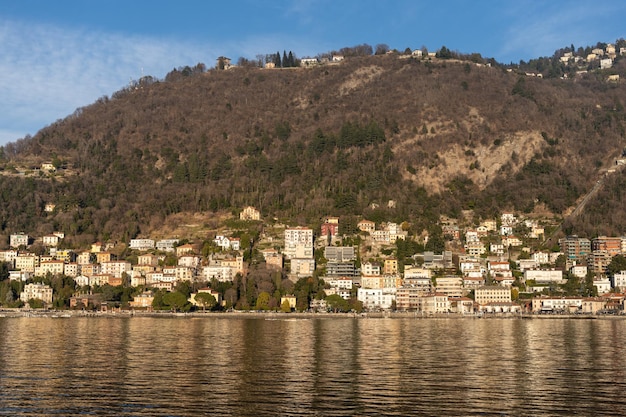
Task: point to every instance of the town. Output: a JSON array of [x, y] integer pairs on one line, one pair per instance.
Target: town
[[488, 268]]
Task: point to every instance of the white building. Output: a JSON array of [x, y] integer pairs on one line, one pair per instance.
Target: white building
[[380, 298], [544, 275], [142, 244], [298, 242], [166, 245], [36, 291], [18, 240]]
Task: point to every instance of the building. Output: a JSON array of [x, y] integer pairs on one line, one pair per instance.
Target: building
[[434, 303], [250, 213], [50, 267], [167, 245], [450, 285], [272, 258], [575, 248], [142, 244], [50, 240], [340, 269], [298, 242], [38, 292], [376, 298], [598, 261], [330, 228], [572, 304], [492, 294], [339, 253], [116, 268], [544, 275], [143, 300], [17, 240], [390, 266], [366, 226], [612, 245]]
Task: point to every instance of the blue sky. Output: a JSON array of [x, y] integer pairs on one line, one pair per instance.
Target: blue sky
[[56, 56]]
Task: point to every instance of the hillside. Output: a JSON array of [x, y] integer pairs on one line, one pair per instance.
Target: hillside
[[437, 136]]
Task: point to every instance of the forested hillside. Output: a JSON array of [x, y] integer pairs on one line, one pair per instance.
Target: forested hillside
[[438, 136]]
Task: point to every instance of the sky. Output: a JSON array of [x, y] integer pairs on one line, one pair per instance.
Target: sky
[[58, 56]]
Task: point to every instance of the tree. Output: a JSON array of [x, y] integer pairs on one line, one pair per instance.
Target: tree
[[262, 301], [381, 49], [285, 307], [617, 264], [175, 300], [35, 303], [206, 299], [337, 304]]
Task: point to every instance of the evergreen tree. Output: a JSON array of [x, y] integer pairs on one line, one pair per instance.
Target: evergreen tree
[[285, 61], [277, 61]]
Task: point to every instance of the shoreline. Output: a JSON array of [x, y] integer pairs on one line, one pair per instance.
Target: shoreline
[[271, 315]]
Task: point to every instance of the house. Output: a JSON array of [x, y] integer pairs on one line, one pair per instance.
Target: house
[[223, 63], [85, 301], [116, 268], [26, 262], [379, 298], [461, 305], [206, 290], [390, 266], [337, 58], [183, 249], [102, 257], [49, 207], [147, 259], [330, 229], [366, 226], [291, 299], [381, 236], [52, 267], [511, 241], [309, 62], [250, 213], [48, 167], [434, 303], [38, 292], [191, 261], [603, 285], [370, 268], [50, 240], [227, 243], [142, 244], [70, 269], [606, 63], [167, 245], [143, 300], [272, 258], [17, 240], [20, 275]]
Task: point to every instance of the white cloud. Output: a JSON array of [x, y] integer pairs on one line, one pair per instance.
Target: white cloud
[[47, 72]]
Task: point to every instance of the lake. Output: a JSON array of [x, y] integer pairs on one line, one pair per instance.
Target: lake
[[143, 366]]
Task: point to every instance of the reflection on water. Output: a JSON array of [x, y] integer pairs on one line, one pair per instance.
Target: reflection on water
[[339, 367]]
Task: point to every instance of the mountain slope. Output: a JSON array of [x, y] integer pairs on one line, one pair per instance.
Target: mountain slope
[[437, 136]]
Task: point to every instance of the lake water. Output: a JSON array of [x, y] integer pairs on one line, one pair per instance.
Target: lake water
[[315, 367]]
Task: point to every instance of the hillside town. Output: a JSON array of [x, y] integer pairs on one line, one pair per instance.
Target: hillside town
[[489, 268]]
